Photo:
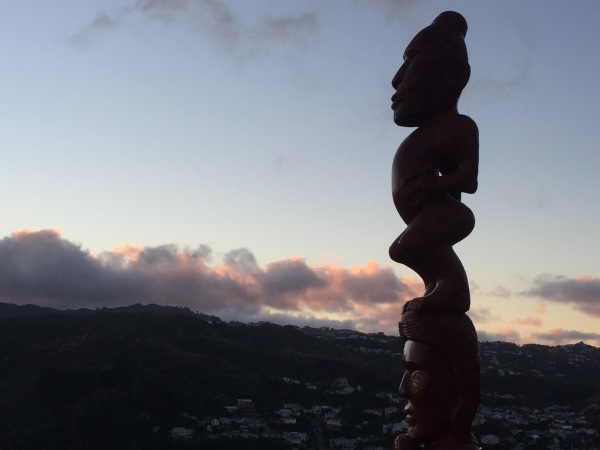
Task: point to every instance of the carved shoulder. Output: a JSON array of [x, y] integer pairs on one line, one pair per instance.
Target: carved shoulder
[[459, 138], [464, 128]]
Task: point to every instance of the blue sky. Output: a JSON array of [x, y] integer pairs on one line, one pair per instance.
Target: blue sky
[[235, 158]]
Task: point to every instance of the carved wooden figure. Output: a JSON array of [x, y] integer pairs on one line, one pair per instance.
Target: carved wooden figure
[[434, 165]]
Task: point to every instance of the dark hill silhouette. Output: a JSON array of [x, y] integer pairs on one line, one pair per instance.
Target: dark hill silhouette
[[110, 378], [69, 377]]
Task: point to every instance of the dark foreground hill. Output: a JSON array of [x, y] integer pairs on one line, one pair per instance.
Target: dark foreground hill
[[92, 379], [137, 377]]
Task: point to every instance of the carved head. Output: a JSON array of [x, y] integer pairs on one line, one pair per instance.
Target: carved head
[[441, 379], [434, 72]]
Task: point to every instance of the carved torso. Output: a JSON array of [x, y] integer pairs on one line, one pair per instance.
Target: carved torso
[[437, 147]]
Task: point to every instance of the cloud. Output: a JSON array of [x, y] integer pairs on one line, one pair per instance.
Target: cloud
[[393, 10], [103, 22], [43, 268], [504, 334], [533, 321], [501, 292], [559, 336], [285, 28], [232, 28], [221, 23], [582, 292], [482, 315]]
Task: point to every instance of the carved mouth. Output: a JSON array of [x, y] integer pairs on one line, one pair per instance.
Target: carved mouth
[[411, 418]]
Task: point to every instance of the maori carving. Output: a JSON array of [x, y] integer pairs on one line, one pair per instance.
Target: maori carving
[[433, 166]]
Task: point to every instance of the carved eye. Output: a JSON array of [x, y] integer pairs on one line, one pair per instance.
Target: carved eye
[[419, 381], [409, 54]]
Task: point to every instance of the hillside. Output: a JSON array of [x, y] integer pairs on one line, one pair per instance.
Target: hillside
[[113, 375], [127, 377]]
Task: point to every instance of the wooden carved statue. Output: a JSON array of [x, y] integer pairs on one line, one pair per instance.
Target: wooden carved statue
[[433, 166], [435, 163]]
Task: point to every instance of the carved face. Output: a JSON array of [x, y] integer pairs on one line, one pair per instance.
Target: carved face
[[429, 390], [420, 83]]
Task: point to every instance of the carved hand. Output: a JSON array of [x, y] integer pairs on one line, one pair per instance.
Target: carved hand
[[404, 442], [420, 189]]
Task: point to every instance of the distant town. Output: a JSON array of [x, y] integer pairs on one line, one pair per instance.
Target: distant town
[[503, 421], [155, 377]]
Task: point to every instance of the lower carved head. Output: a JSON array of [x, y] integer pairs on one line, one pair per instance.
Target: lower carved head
[[441, 379]]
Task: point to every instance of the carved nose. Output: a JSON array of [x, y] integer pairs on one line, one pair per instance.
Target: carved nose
[[398, 77], [404, 388], [396, 80]]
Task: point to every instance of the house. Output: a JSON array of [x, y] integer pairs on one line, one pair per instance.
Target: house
[[344, 442], [490, 439], [290, 380], [248, 435], [340, 383], [296, 409], [253, 423], [284, 412], [330, 414], [214, 424], [346, 390], [384, 395], [181, 433], [400, 427], [333, 424], [245, 405], [296, 438], [390, 410]]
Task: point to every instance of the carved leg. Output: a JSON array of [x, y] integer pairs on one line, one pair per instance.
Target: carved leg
[[426, 247]]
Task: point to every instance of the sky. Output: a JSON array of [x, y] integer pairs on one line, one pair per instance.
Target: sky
[[234, 158]]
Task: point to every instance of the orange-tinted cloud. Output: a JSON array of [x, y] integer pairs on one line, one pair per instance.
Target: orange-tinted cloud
[[541, 307], [583, 292], [43, 268], [26, 231]]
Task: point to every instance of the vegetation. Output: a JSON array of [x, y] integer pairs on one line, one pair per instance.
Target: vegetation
[[108, 378], [122, 378]]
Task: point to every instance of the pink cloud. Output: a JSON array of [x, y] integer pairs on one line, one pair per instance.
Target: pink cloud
[[43, 268]]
